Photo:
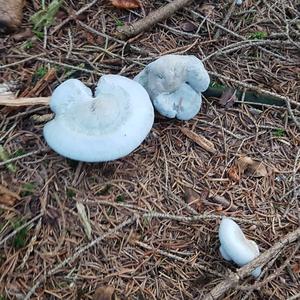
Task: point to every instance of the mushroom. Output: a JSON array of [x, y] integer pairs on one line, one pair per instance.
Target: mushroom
[[175, 83], [234, 245], [102, 128]]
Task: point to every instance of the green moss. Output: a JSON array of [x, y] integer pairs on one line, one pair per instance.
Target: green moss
[[40, 72], [27, 189], [215, 84], [70, 193], [4, 156], [279, 132], [27, 45], [17, 153], [20, 238], [104, 191], [120, 199], [119, 23], [258, 35]]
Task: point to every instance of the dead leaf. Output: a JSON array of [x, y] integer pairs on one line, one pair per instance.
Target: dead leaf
[[23, 35], [90, 38], [105, 293], [199, 140], [188, 27], [233, 173], [253, 167], [8, 197], [126, 4], [194, 199], [296, 267], [207, 9], [249, 166], [228, 98], [219, 208]]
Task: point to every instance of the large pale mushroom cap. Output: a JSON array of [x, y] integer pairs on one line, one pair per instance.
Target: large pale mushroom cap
[[102, 128]]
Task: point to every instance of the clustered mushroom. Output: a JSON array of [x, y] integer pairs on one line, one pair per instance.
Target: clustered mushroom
[[118, 118]]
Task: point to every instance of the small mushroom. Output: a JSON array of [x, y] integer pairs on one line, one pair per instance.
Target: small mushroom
[[175, 83], [234, 245], [102, 128]]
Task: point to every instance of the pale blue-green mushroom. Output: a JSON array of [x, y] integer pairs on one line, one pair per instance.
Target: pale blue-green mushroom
[[102, 128], [175, 83], [235, 246]]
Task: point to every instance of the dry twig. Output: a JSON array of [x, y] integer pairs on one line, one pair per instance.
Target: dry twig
[[151, 19]]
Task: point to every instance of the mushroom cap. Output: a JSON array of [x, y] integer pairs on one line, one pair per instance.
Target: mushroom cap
[[171, 74], [182, 104], [102, 128], [235, 246]]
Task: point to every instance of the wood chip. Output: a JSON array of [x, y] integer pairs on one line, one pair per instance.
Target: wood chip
[[199, 140]]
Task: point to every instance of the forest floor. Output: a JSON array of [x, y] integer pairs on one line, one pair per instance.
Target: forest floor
[[154, 215]]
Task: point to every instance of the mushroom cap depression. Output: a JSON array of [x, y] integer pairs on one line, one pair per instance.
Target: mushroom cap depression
[[102, 128], [234, 245], [174, 79]]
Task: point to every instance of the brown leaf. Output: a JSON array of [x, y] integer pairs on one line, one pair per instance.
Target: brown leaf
[[233, 173], [246, 164], [296, 267], [207, 9], [104, 293], [228, 98], [90, 38], [126, 4], [194, 199], [188, 26], [23, 35], [253, 167], [199, 140], [8, 197]]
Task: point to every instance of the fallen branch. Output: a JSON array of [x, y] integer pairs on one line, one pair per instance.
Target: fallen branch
[[233, 279], [153, 18]]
